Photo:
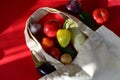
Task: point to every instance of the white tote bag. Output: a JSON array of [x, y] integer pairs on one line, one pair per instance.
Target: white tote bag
[[98, 58]]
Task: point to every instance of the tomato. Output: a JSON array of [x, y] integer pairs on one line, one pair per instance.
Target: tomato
[[47, 43], [63, 37], [55, 52], [51, 27], [100, 15]]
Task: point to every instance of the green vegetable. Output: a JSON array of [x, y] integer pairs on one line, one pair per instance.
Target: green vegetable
[[87, 19], [69, 22], [77, 36], [69, 49]]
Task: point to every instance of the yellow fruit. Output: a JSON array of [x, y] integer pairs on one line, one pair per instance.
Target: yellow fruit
[[63, 37]]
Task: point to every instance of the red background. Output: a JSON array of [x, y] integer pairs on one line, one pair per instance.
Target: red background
[[15, 58]]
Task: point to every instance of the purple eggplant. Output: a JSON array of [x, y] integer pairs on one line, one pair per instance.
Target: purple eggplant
[[43, 67], [35, 28], [74, 7]]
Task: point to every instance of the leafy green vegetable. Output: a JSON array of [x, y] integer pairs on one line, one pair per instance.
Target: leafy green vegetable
[[77, 36]]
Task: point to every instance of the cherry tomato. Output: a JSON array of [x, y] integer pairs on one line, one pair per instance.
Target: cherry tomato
[[55, 52], [100, 15], [51, 27], [47, 43]]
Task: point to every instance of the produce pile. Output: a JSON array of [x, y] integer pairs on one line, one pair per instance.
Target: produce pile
[[61, 37]]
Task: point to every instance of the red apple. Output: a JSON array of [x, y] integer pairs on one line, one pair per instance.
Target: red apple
[[50, 27], [100, 15]]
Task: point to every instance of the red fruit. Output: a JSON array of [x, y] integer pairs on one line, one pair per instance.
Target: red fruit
[[51, 27], [47, 43], [59, 18], [100, 15], [55, 52], [55, 16]]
